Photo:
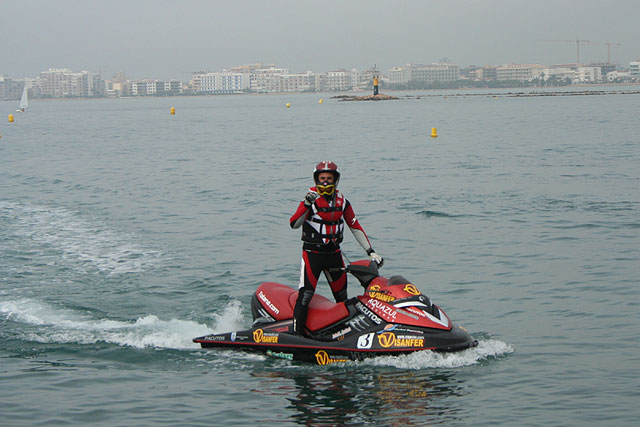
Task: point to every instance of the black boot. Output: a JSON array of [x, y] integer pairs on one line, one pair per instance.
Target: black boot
[[299, 319], [300, 311]]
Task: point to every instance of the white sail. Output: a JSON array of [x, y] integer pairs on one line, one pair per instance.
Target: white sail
[[24, 101]]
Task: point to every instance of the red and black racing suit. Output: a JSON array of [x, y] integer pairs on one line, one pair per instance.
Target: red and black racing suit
[[322, 231]]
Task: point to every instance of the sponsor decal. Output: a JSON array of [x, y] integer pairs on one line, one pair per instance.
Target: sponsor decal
[[323, 358], [341, 333], [368, 312], [407, 330], [382, 307], [280, 355], [409, 337], [389, 339], [406, 313], [417, 311], [264, 298], [215, 338], [381, 296], [374, 292], [233, 336], [356, 355], [365, 341], [358, 323], [389, 328], [260, 337], [410, 288]]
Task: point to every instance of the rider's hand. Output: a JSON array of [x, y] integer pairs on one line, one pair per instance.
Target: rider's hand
[[310, 198], [377, 258]]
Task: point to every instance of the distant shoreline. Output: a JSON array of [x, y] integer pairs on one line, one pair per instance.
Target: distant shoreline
[[516, 91]]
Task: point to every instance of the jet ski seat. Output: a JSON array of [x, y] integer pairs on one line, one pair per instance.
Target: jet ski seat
[[322, 312]]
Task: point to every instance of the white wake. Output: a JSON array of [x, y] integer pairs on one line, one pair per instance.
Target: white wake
[[486, 349], [60, 325]]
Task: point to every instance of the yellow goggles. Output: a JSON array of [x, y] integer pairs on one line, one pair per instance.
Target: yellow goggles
[[326, 190]]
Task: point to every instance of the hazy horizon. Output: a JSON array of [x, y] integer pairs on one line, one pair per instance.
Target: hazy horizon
[[162, 39]]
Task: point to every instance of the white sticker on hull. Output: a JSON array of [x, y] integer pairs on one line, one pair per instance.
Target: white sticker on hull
[[443, 318], [269, 304], [365, 341]]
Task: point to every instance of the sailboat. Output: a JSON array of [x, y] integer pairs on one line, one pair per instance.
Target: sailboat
[[24, 101]]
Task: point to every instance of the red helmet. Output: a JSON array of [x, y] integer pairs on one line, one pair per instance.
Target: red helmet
[[326, 166]]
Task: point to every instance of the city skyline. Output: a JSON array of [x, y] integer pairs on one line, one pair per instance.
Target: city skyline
[[64, 83], [167, 40]]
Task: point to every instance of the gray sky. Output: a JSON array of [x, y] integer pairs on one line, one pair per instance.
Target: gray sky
[[169, 39]]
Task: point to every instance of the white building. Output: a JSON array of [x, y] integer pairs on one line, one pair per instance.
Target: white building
[[400, 75], [62, 82], [267, 79], [141, 88], [302, 82], [223, 82], [341, 79], [634, 69], [264, 80], [11, 88], [436, 72], [338, 80], [560, 73], [588, 75], [321, 82], [521, 72], [148, 87], [356, 77], [52, 82]]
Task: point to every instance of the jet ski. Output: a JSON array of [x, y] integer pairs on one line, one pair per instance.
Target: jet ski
[[392, 317]]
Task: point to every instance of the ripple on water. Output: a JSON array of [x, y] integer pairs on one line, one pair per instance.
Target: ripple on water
[[83, 242]]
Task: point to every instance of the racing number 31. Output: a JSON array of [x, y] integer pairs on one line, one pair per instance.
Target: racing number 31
[[365, 341]]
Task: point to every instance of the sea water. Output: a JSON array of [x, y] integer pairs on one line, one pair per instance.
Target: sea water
[[126, 231]]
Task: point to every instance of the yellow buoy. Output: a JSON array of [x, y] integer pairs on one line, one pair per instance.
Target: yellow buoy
[[288, 105], [173, 111], [10, 118], [320, 101], [434, 133]]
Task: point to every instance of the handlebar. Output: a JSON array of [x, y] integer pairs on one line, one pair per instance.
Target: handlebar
[[363, 272]]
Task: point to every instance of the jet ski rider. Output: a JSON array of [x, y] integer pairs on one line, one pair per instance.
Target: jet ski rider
[[322, 215]]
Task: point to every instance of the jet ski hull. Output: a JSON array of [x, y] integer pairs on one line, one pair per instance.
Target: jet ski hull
[[389, 340], [392, 318]]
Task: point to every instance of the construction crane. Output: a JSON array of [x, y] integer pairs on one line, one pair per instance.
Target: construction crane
[[609, 44], [577, 42]]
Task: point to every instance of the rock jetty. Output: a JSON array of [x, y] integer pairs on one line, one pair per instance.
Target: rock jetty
[[378, 97]]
